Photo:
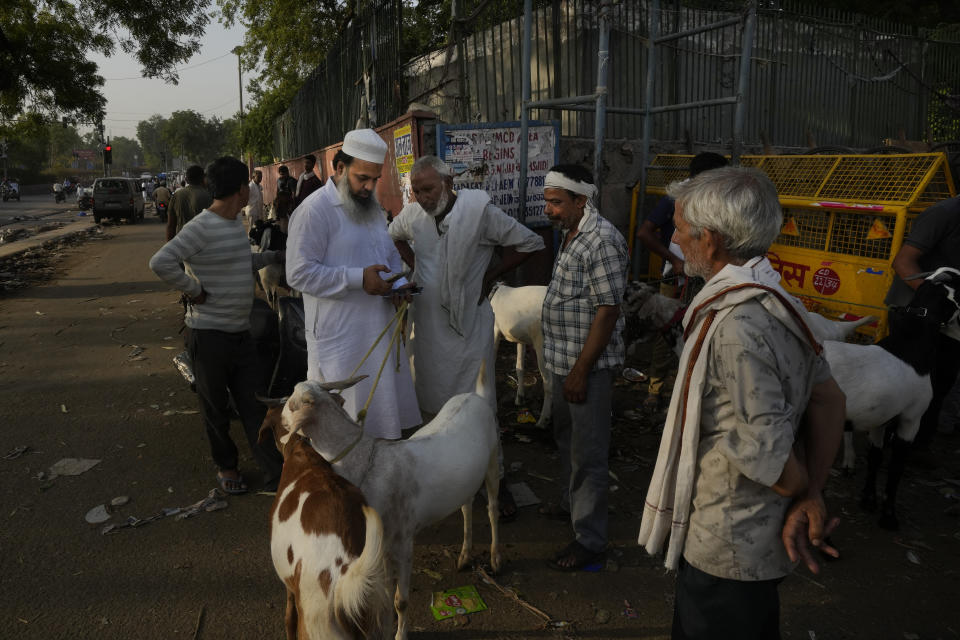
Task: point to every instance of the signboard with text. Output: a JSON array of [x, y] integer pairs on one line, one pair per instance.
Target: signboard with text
[[487, 156]]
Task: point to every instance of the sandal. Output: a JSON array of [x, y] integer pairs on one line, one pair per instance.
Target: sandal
[[508, 506], [554, 511], [233, 486], [575, 557]]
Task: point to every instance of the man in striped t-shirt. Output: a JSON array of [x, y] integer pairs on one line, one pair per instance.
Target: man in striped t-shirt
[[211, 262]]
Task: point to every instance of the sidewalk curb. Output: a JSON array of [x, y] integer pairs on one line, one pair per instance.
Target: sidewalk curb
[[72, 228]]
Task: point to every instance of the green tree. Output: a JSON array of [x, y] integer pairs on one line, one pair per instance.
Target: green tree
[[150, 135], [44, 46], [28, 153]]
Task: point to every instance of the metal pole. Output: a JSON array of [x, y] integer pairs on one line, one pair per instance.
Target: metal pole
[[600, 119], [653, 32], [524, 109], [740, 115]]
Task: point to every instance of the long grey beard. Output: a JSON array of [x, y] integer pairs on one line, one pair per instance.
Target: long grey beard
[[361, 212]]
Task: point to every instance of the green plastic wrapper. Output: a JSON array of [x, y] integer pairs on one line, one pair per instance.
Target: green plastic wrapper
[[456, 602]]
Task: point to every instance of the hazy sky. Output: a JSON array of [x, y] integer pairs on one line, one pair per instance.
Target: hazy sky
[[208, 84]]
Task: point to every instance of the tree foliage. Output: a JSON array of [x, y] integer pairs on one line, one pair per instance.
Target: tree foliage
[[189, 135], [44, 46]]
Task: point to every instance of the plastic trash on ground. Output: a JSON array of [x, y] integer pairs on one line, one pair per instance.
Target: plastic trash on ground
[[458, 601]]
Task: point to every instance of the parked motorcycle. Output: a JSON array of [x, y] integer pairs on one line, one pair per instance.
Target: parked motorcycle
[[85, 201], [59, 196], [10, 191]]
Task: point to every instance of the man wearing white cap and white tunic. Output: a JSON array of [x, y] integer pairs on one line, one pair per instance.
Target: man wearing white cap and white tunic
[[338, 248], [581, 348]]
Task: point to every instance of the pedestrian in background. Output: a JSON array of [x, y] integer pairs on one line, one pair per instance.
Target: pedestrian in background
[[188, 201], [655, 234], [210, 261]]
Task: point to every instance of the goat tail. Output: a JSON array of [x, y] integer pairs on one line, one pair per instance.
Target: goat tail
[[360, 597], [486, 382]]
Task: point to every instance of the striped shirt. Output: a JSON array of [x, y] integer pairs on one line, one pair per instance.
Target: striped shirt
[[216, 258], [589, 272]]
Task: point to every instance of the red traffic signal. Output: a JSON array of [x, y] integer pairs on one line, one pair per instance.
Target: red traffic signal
[[108, 148], [108, 154]]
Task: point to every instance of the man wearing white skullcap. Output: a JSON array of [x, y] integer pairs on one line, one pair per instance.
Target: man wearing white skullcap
[[337, 249], [581, 348]]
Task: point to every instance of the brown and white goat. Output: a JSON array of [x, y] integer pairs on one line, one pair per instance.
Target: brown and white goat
[[327, 546], [412, 483]]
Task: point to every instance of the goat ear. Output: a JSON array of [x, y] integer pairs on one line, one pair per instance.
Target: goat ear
[[271, 402], [340, 385]]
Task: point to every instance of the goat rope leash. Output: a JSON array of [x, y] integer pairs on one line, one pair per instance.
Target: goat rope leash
[[399, 318]]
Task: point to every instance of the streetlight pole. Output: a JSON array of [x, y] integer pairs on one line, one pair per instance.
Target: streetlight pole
[[236, 51]]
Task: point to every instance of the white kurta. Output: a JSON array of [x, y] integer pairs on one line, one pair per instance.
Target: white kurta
[[326, 254], [445, 362]]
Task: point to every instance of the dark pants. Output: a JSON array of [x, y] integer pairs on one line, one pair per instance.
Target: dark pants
[[225, 361], [711, 608], [942, 377]]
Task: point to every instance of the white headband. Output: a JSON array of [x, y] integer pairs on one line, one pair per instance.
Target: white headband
[[556, 180]]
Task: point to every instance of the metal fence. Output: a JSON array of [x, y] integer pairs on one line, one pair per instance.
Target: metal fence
[[357, 82], [818, 76]]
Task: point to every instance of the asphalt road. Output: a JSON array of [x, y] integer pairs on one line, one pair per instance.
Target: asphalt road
[[86, 372], [32, 211]]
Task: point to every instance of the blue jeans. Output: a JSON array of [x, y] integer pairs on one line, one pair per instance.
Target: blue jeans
[[582, 432]]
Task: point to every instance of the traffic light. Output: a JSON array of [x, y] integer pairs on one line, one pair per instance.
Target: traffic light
[[108, 154]]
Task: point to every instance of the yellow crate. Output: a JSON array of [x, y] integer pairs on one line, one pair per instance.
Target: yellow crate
[[845, 218]]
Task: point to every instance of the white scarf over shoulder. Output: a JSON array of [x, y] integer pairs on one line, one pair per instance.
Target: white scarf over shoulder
[[666, 510]]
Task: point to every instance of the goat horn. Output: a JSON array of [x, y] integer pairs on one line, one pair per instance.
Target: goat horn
[[271, 402], [340, 385]]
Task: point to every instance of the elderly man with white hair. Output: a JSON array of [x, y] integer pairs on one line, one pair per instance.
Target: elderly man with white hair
[[754, 424], [582, 346], [338, 248], [453, 236]]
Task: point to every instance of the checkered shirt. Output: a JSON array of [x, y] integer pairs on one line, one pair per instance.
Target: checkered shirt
[[591, 271]]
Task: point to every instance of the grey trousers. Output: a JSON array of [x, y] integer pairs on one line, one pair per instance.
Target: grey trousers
[[582, 432]]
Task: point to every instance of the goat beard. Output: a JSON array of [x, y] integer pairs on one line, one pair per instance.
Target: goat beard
[[360, 210]]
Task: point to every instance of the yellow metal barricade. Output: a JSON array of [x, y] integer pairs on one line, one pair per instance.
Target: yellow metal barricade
[[844, 220]]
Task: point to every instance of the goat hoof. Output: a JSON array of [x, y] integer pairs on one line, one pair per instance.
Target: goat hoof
[[868, 502], [463, 561]]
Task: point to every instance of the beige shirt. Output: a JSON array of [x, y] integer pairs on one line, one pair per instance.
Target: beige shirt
[[758, 381]]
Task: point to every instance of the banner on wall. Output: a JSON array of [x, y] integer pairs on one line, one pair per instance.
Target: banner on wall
[[487, 156], [403, 152]]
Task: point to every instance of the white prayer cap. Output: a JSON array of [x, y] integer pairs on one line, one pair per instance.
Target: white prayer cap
[[365, 144]]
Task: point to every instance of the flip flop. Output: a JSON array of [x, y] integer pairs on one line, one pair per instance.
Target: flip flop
[[582, 557], [232, 486]]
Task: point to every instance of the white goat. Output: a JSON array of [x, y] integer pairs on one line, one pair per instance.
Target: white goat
[[327, 545], [516, 317], [411, 483]]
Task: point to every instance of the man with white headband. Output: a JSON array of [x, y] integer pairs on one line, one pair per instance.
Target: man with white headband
[[752, 385], [453, 236], [581, 347], [338, 246]]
